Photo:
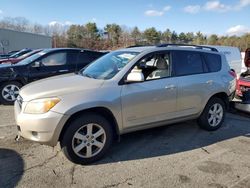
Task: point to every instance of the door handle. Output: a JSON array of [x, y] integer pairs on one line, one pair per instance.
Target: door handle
[[209, 82], [63, 70], [170, 86]]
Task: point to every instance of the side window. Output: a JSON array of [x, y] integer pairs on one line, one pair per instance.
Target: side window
[[186, 63], [72, 57], [154, 66], [55, 59], [85, 58], [96, 55], [213, 62]]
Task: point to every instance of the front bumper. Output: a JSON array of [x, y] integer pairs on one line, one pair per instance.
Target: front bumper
[[43, 128]]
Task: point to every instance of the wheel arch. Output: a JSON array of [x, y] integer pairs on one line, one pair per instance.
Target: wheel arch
[[20, 81], [223, 96], [103, 111]]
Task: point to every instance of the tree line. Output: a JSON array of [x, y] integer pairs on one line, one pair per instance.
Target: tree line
[[114, 36]]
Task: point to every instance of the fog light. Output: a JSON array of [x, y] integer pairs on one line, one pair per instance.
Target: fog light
[[34, 133]]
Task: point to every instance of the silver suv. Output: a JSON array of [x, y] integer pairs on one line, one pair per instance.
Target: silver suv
[[124, 91]]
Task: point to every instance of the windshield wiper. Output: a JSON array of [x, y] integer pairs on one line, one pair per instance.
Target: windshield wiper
[[88, 75]]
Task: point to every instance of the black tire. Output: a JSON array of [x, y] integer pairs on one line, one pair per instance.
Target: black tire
[[67, 139], [2, 92], [203, 120]]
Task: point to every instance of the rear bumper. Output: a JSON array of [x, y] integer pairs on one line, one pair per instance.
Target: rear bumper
[[245, 107]]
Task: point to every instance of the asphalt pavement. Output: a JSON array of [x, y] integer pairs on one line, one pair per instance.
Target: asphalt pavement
[[179, 155]]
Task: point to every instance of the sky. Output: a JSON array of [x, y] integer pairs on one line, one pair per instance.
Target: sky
[[222, 17]]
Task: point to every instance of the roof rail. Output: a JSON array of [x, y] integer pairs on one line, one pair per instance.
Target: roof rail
[[133, 46], [189, 45]]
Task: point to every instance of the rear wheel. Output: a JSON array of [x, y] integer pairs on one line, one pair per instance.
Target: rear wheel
[[87, 139], [213, 115], [9, 92]]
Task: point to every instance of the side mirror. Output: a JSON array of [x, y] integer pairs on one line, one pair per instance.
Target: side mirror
[[135, 77], [36, 64]]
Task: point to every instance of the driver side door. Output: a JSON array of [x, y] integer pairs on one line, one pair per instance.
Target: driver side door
[[49, 65], [153, 100]]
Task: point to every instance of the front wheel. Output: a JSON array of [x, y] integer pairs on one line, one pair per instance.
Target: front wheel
[[213, 115], [87, 139], [9, 92]]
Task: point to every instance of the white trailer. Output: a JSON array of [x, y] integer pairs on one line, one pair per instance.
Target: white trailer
[[14, 40]]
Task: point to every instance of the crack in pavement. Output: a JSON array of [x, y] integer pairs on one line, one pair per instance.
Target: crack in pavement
[[205, 150], [119, 183], [72, 172], [44, 163], [241, 183]]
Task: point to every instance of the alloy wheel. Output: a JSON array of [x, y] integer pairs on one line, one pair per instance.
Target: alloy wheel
[[88, 140], [10, 92], [215, 114]]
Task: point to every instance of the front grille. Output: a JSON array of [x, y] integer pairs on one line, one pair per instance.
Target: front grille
[[19, 101]]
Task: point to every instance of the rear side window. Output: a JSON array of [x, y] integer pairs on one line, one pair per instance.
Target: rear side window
[[72, 57], [86, 57], [213, 62], [186, 63], [96, 55]]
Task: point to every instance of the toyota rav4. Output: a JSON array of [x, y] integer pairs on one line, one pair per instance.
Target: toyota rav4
[[126, 90]]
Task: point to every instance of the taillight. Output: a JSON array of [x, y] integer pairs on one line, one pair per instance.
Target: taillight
[[232, 73]]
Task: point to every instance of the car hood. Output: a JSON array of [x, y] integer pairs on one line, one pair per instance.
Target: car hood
[[58, 86], [6, 65], [10, 70], [3, 60]]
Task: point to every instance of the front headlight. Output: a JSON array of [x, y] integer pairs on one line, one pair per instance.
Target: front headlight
[[40, 106]]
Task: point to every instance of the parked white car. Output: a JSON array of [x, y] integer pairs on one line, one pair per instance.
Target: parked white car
[[233, 57]]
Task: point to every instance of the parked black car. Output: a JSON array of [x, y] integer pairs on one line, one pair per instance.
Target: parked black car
[[6, 56], [49, 62]]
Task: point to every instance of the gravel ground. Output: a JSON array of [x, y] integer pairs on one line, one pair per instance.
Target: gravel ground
[[179, 155]]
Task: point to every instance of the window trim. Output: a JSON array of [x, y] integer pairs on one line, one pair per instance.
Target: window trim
[[202, 59], [207, 63], [48, 54], [122, 81]]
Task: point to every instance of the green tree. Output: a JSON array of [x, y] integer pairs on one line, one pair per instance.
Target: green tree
[[213, 39], [182, 37], [92, 30], [152, 36], [136, 35], [174, 37], [114, 32], [190, 37], [92, 35], [199, 38], [75, 34], [166, 36]]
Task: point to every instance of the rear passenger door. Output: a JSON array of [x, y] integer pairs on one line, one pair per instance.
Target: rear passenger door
[[78, 60], [194, 84], [72, 59]]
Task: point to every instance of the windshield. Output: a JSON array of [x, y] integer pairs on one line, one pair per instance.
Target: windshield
[[109, 65], [27, 54], [18, 54], [31, 58]]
